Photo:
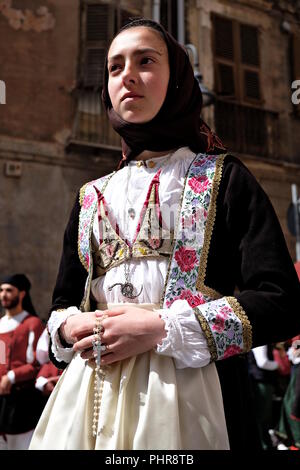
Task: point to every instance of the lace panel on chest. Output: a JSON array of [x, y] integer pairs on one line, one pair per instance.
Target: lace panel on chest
[[151, 238]]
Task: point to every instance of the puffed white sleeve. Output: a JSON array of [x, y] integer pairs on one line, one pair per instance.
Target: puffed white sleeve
[[57, 318], [185, 341]]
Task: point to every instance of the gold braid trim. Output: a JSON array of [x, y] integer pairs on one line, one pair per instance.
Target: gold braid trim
[[247, 328], [208, 334], [83, 188], [81, 193], [211, 216]]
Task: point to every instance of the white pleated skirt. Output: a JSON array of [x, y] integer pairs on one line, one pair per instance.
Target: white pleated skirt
[[146, 404]]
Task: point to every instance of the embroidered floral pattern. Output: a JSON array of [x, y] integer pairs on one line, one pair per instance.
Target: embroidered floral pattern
[[225, 327], [199, 183], [193, 300], [232, 350], [219, 324], [88, 201], [186, 258], [189, 239]]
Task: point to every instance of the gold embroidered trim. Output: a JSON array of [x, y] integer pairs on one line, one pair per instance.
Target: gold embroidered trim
[[241, 314], [84, 305], [81, 196], [82, 192], [211, 216], [208, 335]]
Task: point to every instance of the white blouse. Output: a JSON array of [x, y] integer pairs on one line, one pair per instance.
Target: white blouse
[[128, 188], [8, 323], [262, 360]]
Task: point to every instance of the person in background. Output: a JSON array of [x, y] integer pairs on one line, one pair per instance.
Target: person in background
[[48, 375], [21, 403], [288, 429], [263, 371], [280, 355]]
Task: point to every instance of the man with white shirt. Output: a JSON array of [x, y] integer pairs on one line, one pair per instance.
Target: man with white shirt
[[20, 403]]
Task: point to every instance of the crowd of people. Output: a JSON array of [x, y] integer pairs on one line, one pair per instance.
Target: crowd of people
[[274, 377]]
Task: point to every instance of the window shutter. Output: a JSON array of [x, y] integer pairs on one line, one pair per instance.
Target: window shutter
[[96, 23], [249, 63], [93, 70], [225, 80], [97, 35], [296, 56], [224, 45], [236, 50], [224, 52], [241, 122], [296, 65], [251, 85], [249, 45]]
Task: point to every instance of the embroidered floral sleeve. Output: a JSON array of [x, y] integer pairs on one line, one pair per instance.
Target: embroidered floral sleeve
[[226, 327], [223, 321]]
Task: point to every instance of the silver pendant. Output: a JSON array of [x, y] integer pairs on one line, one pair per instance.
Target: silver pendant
[[126, 289], [131, 212]]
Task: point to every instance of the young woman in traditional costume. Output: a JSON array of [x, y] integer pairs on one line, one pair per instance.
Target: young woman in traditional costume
[[172, 267]]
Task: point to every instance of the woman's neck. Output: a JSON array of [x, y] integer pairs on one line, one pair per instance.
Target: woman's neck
[[148, 154]]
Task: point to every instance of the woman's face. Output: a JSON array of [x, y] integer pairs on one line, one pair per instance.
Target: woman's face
[[138, 74]]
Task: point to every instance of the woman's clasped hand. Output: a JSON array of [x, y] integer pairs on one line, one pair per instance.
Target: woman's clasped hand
[[127, 331]]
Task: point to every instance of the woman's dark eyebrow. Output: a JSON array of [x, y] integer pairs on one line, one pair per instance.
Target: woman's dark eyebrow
[[136, 52]]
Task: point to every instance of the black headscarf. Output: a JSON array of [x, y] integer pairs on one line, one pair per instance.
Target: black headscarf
[[22, 283], [178, 123]]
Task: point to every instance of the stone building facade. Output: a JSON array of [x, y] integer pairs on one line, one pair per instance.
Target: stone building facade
[[271, 124], [54, 135]]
